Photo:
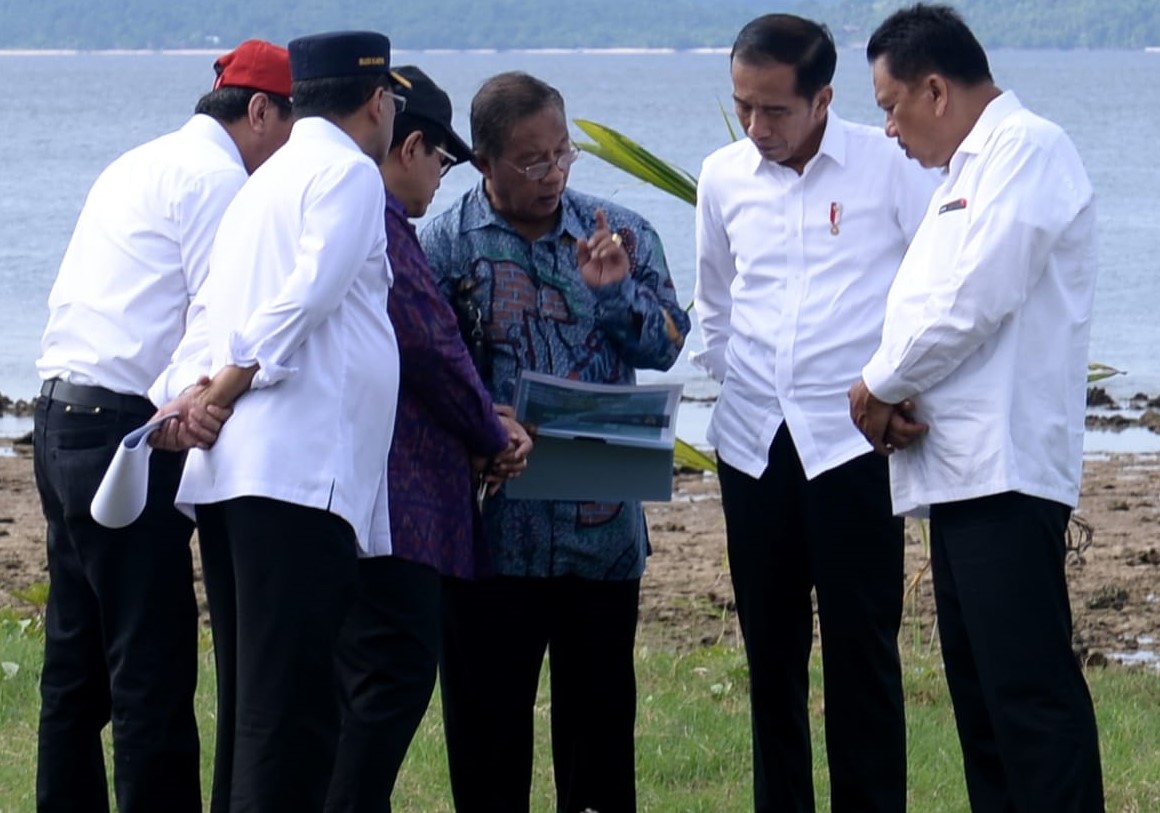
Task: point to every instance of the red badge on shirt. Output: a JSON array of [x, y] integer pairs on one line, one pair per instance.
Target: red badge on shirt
[[953, 206]]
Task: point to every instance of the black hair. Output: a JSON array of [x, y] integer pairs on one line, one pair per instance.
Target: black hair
[[787, 39], [336, 96], [229, 104], [405, 124], [503, 100], [926, 39]]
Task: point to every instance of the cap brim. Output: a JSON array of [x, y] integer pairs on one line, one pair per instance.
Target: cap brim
[[458, 147]]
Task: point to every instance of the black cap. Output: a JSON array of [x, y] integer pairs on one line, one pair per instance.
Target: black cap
[[427, 101], [340, 54]]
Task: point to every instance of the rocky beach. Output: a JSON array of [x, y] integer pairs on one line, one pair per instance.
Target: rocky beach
[[687, 600]]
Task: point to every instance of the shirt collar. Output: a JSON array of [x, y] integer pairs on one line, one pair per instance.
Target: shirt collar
[[316, 127], [993, 115], [833, 145], [209, 128], [478, 213]]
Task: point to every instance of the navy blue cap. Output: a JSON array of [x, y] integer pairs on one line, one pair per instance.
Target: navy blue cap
[[340, 54]]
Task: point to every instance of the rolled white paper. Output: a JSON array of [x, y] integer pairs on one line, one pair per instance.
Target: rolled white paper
[[123, 491]]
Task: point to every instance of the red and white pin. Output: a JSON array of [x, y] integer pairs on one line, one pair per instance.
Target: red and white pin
[[835, 217]]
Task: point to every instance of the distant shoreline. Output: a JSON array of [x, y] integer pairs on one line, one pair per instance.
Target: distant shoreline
[[58, 52]]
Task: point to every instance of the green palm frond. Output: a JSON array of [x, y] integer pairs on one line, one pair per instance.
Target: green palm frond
[[728, 121], [686, 456], [627, 155], [1098, 372]]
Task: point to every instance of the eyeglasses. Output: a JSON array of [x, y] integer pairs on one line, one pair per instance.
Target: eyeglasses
[[446, 160], [400, 102], [540, 170]]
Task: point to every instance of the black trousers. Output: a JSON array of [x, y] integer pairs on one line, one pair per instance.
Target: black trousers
[[1024, 714], [837, 535], [494, 636], [120, 626], [279, 579], [388, 653]]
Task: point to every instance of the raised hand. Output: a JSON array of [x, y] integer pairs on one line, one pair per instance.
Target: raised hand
[[601, 257]]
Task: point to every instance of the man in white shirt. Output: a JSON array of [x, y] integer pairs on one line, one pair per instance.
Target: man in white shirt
[[296, 328], [986, 332], [800, 229], [121, 621]]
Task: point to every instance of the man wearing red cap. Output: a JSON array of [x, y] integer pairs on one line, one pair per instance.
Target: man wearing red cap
[[121, 621]]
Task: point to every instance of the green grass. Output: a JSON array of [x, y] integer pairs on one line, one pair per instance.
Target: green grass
[[692, 741]]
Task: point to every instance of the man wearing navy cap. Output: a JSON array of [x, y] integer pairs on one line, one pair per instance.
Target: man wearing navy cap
[[388, 649], [300, 347], [121, 621]]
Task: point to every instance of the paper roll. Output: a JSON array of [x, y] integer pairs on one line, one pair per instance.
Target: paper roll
[[123, 491]]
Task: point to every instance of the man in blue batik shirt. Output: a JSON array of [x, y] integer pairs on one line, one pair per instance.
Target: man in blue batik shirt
[[569, 285]]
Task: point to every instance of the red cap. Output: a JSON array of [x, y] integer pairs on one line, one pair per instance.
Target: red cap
[[255, 64]]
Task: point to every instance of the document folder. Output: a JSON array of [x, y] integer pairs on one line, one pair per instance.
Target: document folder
[[596, 442]]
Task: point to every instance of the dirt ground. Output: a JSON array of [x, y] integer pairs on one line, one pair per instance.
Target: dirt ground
[[687, 600]]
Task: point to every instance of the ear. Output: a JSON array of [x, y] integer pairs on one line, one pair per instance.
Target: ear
[[259, 107], [411, 148], [938, 89], [374, 105], [483, 164], [822, 101]]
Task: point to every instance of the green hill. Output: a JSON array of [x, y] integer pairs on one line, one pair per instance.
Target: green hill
[[509, 24]]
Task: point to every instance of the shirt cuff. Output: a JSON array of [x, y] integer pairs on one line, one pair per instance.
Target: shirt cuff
[[269, 372], [614, 301], [883, 382], [171, 383], [706, 360]]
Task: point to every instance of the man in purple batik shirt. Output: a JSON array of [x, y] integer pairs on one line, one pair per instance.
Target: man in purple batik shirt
[[446, 432]]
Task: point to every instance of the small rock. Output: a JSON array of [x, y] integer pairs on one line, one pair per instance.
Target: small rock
[[1098, 397], [1108, 598], [1148, 557], [1097, 660], [1151, 419]]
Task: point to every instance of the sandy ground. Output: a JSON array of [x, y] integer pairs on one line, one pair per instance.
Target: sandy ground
[[687, 600]]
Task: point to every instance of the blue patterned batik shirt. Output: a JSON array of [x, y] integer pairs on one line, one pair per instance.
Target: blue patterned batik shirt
[[536, 313]]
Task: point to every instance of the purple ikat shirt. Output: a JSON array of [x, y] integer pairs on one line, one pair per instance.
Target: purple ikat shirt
[[444, 416]]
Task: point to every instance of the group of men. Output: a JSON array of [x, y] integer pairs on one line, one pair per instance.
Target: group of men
[[342, 387]]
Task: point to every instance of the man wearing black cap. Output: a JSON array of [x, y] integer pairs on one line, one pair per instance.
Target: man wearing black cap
[[121, 621], [302, 350], [388, 649]]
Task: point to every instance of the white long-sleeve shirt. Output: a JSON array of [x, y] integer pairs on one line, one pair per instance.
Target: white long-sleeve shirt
[[298, 284], [792, 276], [138, 255], [988, 322]]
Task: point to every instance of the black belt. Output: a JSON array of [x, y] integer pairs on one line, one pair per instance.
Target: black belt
[[95, 398]]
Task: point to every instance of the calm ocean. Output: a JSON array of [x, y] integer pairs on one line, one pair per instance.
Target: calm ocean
[[64, 117]]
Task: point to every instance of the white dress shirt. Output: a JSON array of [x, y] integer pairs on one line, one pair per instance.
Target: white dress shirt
[[792, 276], [988, 321], [298, 285], [138, 255]]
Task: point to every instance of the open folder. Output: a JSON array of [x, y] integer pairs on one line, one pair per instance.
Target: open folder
[[598, 442], [124, 489]]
